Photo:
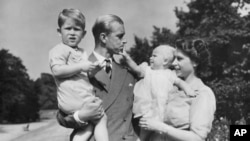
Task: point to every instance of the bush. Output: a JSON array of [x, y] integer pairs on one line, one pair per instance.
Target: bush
[[232, 98], [220, 130]]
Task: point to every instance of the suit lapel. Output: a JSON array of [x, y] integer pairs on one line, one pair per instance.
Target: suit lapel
[[101, 77], [118, 76], [112, 86]]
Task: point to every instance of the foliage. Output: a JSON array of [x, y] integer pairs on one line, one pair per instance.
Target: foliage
[[219, 23], [142, 50], [228, 35], [220, 130], [163, 36], [242, 66], [232, 95], [45, 87], [18, 101]]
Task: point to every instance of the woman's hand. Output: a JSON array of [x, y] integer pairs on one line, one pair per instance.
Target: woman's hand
[[150, 124]]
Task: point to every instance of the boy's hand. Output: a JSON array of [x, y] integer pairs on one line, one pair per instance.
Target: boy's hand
[[86, 66], [97, 66]]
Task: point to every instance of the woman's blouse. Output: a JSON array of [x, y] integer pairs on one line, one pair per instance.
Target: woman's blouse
[[191, 113]]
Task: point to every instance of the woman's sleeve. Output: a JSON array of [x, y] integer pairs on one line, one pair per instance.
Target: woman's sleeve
[[202, 112]]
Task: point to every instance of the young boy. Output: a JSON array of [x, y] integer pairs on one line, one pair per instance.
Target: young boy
[[69, 65], [151, 92]]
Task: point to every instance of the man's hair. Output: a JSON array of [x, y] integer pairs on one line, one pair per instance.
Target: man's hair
[[102, 25], [73, 14]]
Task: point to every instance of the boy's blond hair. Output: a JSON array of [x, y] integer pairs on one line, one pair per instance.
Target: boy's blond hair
[[73, 14]]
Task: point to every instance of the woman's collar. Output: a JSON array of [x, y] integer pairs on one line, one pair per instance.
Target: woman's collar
[[195, 83]]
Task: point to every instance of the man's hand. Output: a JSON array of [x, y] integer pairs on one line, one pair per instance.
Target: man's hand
[[92, 110]]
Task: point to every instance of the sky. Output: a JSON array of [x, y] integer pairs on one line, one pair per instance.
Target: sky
[[28, 27]]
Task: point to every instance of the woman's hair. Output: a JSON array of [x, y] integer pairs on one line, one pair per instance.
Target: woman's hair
[[73, 14], [197, 51], [102, 25]]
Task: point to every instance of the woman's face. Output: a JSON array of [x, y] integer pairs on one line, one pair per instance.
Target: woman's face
[[183, 65]]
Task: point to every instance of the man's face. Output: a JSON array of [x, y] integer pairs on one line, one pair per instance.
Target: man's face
[[115, 41]]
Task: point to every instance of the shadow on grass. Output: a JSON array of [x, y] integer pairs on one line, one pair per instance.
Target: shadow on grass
[[2, 130]]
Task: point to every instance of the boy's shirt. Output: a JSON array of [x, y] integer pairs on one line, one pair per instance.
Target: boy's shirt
[[71, 91]]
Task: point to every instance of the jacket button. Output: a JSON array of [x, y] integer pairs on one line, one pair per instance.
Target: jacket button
[[128, 99], [123, 137]]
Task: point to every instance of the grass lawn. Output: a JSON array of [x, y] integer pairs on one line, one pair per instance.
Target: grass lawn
[[47, 129]]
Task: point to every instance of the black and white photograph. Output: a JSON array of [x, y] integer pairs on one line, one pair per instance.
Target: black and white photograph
[[124, 70]]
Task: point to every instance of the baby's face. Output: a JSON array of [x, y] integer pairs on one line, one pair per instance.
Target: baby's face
[[71, 33], [157, 59], [161, 57]]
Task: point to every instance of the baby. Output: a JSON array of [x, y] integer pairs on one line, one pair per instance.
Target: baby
[[151, 92]]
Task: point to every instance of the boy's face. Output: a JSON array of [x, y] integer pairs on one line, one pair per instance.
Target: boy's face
[[71, 33]]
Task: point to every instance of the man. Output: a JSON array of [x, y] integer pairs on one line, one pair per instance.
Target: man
[[113, 85]]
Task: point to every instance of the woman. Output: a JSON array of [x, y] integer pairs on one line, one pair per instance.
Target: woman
[[186, 118]]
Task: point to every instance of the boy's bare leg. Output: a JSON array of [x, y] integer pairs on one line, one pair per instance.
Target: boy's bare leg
[[101, 131], [84, 134]]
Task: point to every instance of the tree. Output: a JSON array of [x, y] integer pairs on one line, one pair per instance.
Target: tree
[[45, 87], [218, 22], [143, 48], [163, 36], [141, 52], [18, 101], [228, 35]]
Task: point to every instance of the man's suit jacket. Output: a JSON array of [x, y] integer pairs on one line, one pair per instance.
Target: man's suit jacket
[[117, 95]]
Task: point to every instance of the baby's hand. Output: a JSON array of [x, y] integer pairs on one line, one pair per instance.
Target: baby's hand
[[124, 53], [185, 87], [191, 94]]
